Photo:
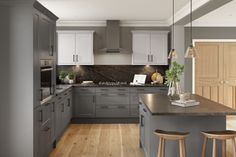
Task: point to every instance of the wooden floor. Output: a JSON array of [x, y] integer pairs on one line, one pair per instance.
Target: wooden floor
[[99, 140]]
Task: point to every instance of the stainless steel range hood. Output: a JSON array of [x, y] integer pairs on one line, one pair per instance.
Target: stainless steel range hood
[[113, 38]]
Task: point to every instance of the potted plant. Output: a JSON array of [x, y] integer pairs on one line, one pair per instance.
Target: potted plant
[[173, 79], [71, 77], [62, 76]]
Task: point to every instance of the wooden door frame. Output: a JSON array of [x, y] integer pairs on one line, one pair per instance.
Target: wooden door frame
[[193, 62]]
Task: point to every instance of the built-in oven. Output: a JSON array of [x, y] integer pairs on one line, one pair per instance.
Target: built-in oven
[[47, 78]]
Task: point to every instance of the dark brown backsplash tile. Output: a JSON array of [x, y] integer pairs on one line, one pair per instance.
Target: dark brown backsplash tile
[[118, 73]]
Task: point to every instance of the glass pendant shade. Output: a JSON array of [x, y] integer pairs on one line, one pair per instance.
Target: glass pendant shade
[[191, 52], [172, 54]]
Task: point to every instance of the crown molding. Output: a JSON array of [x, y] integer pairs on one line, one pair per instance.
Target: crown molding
[[186, 10], [123, 23]]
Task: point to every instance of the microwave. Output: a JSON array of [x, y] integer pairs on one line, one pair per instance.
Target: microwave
[[47, 86]]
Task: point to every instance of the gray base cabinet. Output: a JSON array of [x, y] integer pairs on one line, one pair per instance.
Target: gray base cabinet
[[109, 102], [84, 102]]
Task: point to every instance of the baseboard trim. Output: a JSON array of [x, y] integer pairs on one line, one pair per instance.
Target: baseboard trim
[[104, 120]]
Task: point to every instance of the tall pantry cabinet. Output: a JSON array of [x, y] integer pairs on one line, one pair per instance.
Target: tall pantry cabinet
[[44, 26]]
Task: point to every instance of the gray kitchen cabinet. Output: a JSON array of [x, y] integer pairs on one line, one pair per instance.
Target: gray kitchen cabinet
[[59, 108], [42, 130], [144, 129], [112, 102], [83, 102], [46, 40]]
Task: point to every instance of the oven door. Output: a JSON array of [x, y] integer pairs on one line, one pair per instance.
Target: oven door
[[47, 86]]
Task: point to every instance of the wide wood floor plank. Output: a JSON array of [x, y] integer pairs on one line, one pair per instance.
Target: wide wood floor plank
[[99, 140]]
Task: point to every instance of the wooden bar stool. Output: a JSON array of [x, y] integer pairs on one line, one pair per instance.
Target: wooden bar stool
[[218, 135], [170, 135]]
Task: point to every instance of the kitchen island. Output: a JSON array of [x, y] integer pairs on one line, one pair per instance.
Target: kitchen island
[[156, 112]]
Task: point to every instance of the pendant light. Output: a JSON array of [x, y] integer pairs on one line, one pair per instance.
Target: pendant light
[[173, 53], [191, 51]]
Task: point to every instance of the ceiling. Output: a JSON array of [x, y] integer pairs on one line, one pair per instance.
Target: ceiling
[[221, 17], [99, 10]]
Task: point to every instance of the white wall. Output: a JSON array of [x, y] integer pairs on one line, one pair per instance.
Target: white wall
[[16, 66]]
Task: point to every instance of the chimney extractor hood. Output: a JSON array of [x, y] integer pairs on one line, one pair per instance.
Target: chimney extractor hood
[[113, 38]]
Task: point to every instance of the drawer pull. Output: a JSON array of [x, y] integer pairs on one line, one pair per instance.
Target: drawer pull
[[144, 110], [66, 94], [104, 107], [104, 89], [121, 89], [122, 94], [141, 120], [121, 107], [47, 129]]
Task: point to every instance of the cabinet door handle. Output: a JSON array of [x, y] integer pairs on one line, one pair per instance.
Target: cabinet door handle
[[141, 121], [144, 110], [77, 58], [62, 110], [94, 99], [53, 107], [148, 58], [52, 50], [151, 58], [41, 115], [68, 102], [73, 58]]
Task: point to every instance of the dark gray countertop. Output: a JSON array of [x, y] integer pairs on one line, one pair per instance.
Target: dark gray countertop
[[97, 85], [159, 104]]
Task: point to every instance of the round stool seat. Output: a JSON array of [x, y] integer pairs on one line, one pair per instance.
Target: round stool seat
[[171, 135], [220, 135]]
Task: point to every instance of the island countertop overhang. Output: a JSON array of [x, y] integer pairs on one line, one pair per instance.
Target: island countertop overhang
[[159, 104]]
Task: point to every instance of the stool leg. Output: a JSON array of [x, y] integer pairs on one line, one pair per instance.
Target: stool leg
[[214, 148], [223, 148], [234, 147], [163, 148], [182, 150], [204, 147], [159, 154]]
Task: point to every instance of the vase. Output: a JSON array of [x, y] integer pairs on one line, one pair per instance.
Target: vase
[[174, 90]]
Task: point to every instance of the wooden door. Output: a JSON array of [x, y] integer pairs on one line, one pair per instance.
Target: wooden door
[[230, 74], [209, 71]]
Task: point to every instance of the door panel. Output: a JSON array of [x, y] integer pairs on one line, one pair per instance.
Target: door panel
[[141, 48], [209, 71], [159, 49], [84, 48], [66, 49], [229, 74]]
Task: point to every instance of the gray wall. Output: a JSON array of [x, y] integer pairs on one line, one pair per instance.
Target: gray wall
[[125, 42], [179, 40], [204, 33], [16, 65]]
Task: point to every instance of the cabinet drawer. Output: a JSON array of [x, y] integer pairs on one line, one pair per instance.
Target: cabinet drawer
[[112, 98], [112, 90], [112, 111], [84, 90], [148, 89]]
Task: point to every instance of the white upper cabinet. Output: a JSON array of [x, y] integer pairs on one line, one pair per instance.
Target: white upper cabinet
[[75, 48], [150, 48]]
